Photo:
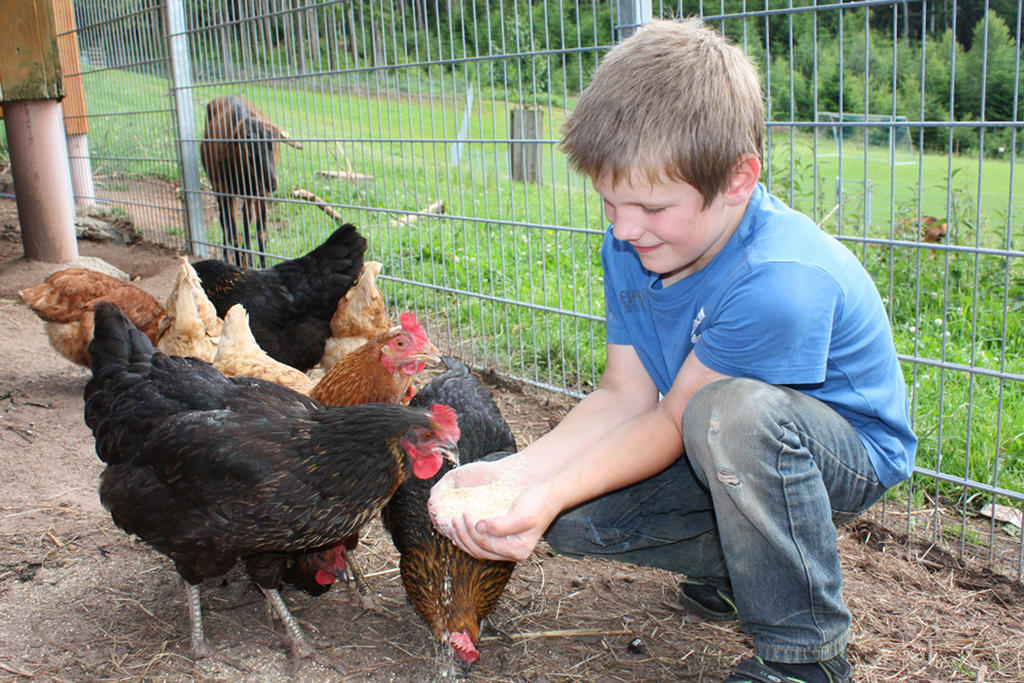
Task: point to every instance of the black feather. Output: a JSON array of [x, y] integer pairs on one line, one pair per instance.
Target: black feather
[[211, 469], [290, 304]]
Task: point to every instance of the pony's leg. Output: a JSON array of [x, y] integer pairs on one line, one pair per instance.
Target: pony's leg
[[250, 260], [261, 230], [226, 209]]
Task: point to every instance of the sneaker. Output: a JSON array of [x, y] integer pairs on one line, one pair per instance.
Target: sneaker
[[756, 670], [706, 600]]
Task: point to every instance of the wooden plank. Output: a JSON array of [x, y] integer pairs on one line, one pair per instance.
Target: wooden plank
[[30, 62], [75, 121], [524, 157]]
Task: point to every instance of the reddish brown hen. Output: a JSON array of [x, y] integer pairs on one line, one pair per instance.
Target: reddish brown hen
[[67, 299], [381, 370], [451, 590]]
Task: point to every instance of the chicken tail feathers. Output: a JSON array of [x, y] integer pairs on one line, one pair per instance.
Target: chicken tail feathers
[[116, 345], [116, 341], [326, 273]]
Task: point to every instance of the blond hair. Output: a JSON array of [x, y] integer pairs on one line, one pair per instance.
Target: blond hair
[[675, 101]]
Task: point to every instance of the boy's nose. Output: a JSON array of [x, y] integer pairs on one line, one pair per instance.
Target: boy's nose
[[626, 230]]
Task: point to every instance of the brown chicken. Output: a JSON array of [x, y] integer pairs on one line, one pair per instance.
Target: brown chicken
[[238, 355], [381, 370], [451, 590], [212, 470], [360, 316], [67, 299], [191, 326]]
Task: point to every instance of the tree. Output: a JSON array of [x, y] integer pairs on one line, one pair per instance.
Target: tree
[[995, 59]]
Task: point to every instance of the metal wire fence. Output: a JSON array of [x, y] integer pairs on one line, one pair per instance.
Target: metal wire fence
[[434, 128]]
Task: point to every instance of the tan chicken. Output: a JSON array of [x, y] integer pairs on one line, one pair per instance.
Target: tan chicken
[[238, 355], [66, 302], [360, 316], [191, 326]]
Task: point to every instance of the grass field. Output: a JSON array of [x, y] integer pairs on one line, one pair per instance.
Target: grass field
[[514, 266]]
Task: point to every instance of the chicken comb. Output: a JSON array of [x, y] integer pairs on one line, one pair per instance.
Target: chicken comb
[[446, 420], [413, 327]]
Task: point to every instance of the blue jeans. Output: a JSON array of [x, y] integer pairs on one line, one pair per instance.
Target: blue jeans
[[753, 507]]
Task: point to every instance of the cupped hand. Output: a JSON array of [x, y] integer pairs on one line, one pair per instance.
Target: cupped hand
[[511, 536], [472, 474]]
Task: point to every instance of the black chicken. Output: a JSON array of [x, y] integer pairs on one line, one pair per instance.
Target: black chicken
[[451, 590], [212, 470], [290, 305]]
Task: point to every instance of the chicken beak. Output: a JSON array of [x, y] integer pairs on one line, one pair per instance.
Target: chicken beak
[[428, 354], [450, 454]]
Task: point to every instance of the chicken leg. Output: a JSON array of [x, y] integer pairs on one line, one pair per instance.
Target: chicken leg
[[301, 648], [200, 648], [367, 598]]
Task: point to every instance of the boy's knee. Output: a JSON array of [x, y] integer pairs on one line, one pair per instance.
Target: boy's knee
[[727, 401], [724, 409]]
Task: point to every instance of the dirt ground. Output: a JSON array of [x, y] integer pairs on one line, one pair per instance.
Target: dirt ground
[[81, 601]]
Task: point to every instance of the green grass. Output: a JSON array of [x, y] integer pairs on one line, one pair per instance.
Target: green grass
[[944, 180], [132, 131], [495, 287]]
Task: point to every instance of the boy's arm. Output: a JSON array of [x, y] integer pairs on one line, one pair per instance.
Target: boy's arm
[[626, 390], [638, 444]]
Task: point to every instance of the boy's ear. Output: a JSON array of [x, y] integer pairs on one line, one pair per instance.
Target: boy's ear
[[743, 179]]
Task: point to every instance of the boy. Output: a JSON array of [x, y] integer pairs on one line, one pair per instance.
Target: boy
[[752, 397]]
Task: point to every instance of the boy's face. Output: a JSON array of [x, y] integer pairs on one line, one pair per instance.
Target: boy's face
[[667, 224]]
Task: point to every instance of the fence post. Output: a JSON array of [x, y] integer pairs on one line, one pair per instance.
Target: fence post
[[181, 86], [76, 124], [632, 15], [524, 157], [30, 82]]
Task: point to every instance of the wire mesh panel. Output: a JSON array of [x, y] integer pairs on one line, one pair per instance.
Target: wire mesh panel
[[406, 116], [433, 127], [132, 140]]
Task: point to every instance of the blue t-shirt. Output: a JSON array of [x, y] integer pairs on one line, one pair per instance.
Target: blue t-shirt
[[783, 302]]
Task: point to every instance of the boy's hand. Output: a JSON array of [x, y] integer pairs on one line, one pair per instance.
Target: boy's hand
[[472, 474], [510, 536]]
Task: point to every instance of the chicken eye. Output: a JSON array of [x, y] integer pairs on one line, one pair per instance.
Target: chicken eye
[[399, 343]]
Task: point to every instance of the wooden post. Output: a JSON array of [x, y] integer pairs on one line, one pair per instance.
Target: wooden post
[[524, 157], [30, 80], [76, 125]]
